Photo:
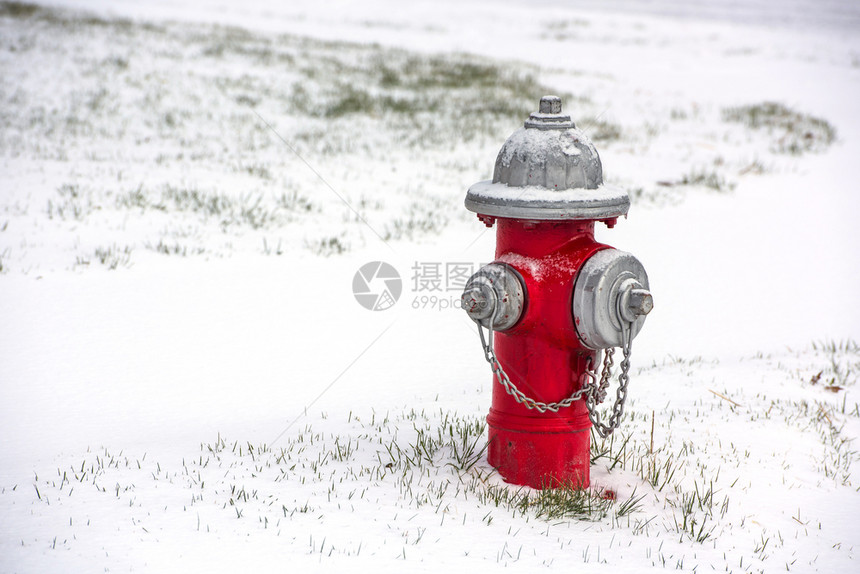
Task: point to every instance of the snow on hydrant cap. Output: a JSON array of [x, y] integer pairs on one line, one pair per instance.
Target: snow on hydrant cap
[[548, 169]]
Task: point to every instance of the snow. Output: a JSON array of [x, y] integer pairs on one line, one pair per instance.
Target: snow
[[535, 143], [532, 265], [532, 193], [253, 336]]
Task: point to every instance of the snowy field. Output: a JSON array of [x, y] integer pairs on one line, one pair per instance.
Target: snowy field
[[188, 384]]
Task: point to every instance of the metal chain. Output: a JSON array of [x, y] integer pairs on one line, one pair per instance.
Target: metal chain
[[605, 374], [512, 389], [593, 391], [604, 430]]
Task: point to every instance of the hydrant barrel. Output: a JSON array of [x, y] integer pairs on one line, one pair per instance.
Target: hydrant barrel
[[552, 299]]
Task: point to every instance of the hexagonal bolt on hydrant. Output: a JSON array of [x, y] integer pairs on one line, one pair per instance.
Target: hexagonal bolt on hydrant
[[553, 302]]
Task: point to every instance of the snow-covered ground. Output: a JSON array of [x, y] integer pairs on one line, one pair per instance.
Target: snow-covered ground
[[187, 382]]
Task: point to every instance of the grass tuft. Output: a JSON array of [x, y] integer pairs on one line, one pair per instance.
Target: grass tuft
[[709, 179], [599, 130], [18, 9], [111, 257], [791, 132], [327, 246]]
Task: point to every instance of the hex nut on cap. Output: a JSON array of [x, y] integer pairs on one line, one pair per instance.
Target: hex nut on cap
[[639, 302], [550, 105], [476, 301]]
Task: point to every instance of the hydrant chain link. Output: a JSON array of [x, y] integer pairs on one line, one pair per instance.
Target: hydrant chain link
[[593, 392], [591, 402], [604, 376], [512, 389]]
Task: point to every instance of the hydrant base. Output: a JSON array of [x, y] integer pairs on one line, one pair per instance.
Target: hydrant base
[[541, 459]]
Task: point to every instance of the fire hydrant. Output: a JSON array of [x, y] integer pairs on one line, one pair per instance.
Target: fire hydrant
[[553, 301]]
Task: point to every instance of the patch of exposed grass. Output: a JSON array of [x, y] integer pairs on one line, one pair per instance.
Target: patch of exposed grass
[[249, 210], [678, 114], [843, 365], [175, 248], [456, 72], [72, 203], [137, 198], [111, 257], [67, 19], [755, 167], [567, 502], [350, 100], [424, 218], [791, 132], [295, 201], [419, 93], [599, 130], [274, 249], [18, 9], [710, 179], [562, 30], [327, 246], [246, 210]]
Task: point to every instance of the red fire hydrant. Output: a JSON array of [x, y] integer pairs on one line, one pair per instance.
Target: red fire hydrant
[[553, 301]]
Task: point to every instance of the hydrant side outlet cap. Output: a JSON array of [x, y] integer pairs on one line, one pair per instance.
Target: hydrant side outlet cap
[[548, 169], [611, 288]]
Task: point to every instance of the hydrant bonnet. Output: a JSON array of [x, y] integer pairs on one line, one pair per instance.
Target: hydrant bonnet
[[548, 169]]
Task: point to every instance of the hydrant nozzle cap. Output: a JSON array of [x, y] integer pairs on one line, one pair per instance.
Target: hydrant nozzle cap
[[549, 116]]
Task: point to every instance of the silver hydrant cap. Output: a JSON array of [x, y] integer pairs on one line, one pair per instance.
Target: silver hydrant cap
[[548, 169]]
